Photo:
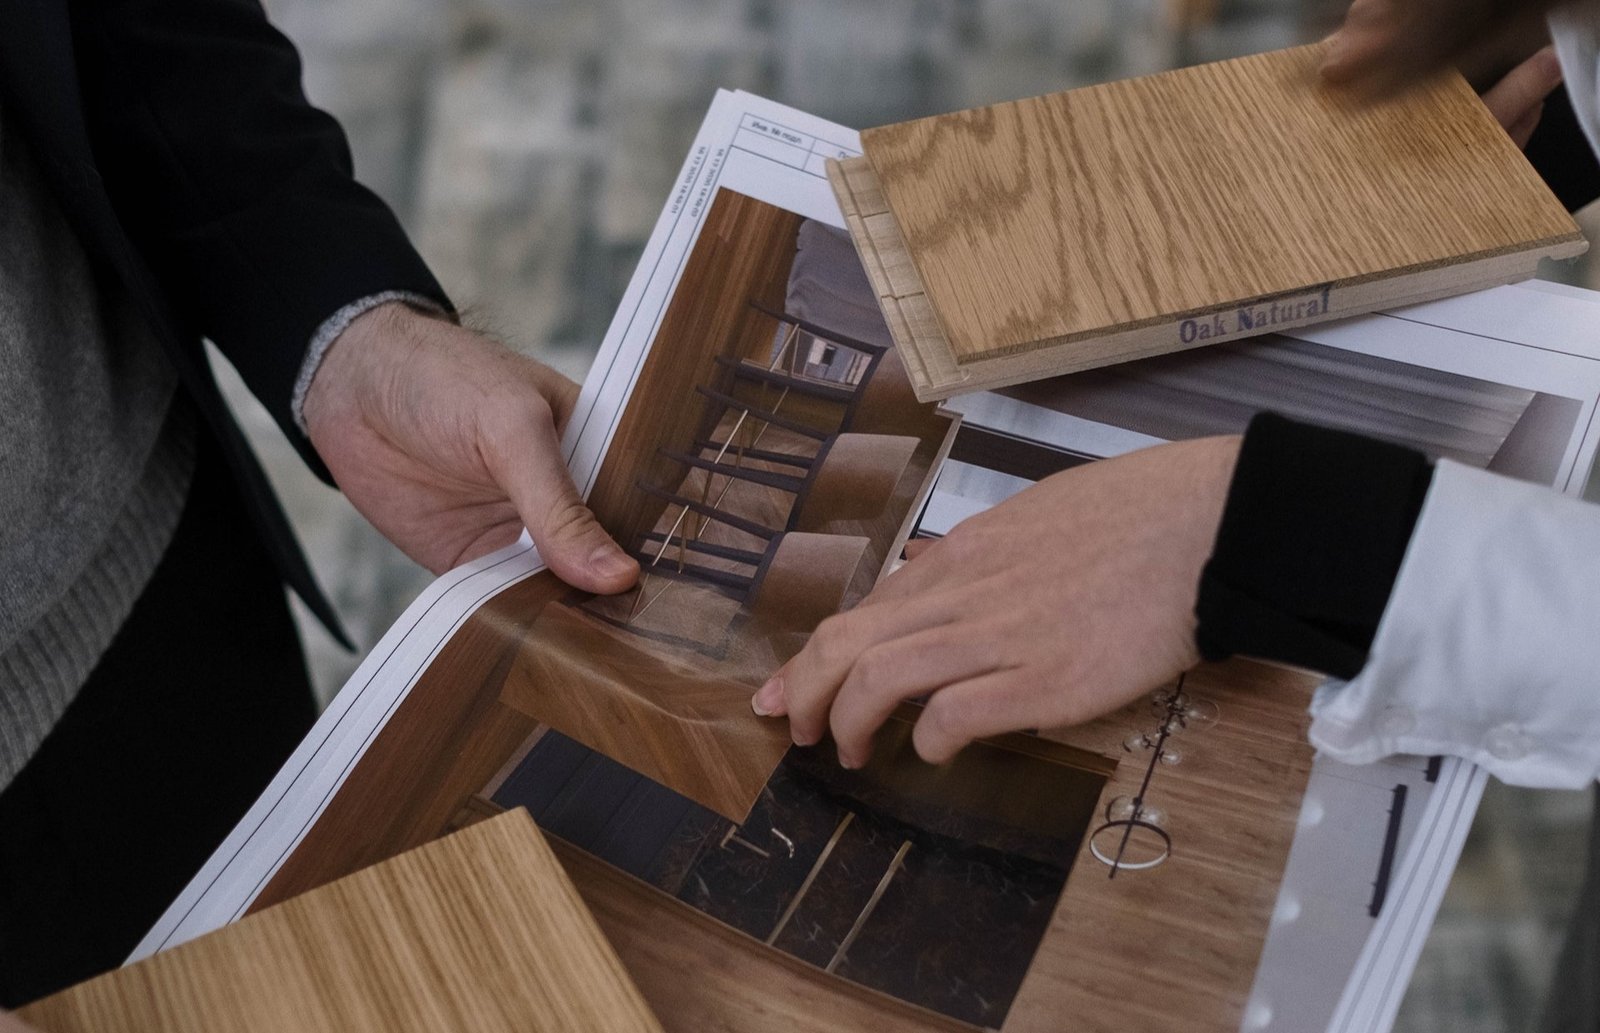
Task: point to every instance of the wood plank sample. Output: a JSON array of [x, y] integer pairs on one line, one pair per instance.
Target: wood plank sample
[[684, 725], [1077, 229], [480, 931]]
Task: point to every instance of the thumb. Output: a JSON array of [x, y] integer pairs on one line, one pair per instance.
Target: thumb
[[569, 538]]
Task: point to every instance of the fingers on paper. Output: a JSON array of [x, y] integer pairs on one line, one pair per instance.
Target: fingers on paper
[[893, 672], [991, 704], [812, 679], [570, 540]]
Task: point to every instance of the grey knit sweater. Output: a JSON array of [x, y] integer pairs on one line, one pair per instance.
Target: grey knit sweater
[[95, 459]]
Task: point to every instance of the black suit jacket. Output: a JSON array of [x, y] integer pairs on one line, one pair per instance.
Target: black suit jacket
[[177, 137]]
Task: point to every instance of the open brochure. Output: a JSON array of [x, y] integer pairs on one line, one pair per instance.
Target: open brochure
[[746, 430]]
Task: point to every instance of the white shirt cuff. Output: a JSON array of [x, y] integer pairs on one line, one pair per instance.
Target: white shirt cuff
[[1575, 28], [1489, 648], [329, 332]]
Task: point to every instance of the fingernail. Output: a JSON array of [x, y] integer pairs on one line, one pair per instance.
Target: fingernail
[[849, 762], [765, 701], [611, 562], [1332, 52]]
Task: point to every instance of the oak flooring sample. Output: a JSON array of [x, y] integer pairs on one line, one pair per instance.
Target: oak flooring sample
[[481, 931], [678, 718], [1057, 233]]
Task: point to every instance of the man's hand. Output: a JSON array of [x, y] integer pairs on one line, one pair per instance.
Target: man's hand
[[1059, 605], [450, 443], [1386, 45]]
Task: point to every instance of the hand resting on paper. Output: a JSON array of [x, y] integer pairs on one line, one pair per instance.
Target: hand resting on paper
[[450, 443], [1059, 605]]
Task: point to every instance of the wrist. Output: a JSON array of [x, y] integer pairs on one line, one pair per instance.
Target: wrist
[[1205, 470], [354, 358], [1315, 525]]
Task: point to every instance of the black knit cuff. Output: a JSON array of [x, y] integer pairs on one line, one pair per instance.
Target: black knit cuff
[[1560, 154], [1315, 526]]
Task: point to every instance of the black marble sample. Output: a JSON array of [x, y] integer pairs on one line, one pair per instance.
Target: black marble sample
[[984, 846]]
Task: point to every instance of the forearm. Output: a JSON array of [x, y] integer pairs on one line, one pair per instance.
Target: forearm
[[1458, 604], [1487, 648], [236, 190], [1316, 524]]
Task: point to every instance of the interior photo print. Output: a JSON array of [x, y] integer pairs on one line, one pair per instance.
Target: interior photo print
[[799, 516], [768, 466]]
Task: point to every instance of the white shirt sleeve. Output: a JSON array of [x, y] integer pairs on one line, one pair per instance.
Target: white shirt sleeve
[[1489, 648], [1575, 28]]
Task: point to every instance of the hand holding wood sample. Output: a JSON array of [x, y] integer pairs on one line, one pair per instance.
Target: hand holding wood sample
[[1078, 229]]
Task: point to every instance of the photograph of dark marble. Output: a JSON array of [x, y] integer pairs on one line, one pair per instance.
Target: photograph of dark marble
[[934, 885]]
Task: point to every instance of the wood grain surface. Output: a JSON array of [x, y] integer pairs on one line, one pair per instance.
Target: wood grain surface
[[681, 719], [1132, 206], [479, 931]]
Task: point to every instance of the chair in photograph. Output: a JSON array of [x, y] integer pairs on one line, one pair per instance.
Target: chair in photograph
[[875, 401], [804, 579]]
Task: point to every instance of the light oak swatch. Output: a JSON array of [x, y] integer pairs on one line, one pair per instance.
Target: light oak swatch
[[479, 931], [1077, 229]]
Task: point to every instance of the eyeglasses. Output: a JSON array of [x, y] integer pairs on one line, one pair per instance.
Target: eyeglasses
[[1133, 836]]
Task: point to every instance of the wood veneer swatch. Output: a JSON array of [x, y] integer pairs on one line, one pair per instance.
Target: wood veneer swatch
[[684, 724], [1058, 233], [1171, 949], [481, 930]]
